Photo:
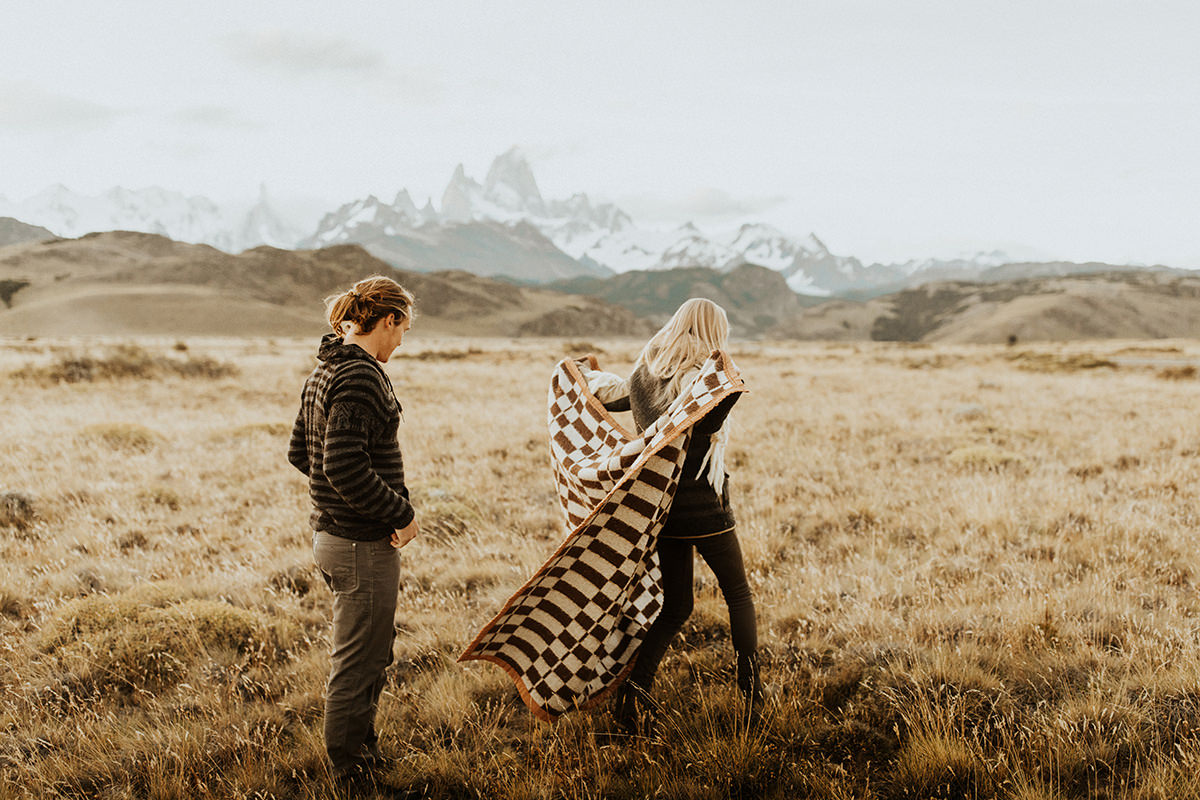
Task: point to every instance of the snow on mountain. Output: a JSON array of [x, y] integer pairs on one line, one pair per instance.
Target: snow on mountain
[[366, 218], [694, 249], [805, 262], [629, 249], [194, 219], [768, 246], [803, 283]]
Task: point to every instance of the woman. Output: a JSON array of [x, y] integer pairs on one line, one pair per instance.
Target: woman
[[344, 440], [700, 517]]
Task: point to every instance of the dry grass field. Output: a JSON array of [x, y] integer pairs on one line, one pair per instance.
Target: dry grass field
[[976, 573]]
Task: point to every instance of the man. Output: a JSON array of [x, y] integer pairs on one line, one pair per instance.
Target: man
[[344, 440]]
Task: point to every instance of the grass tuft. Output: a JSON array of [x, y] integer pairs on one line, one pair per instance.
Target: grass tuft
[[128, 436], [934, 765], [985, 456], [139, 641]]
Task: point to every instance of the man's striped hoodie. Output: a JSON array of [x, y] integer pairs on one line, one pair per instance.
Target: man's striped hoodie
[[344, 440]]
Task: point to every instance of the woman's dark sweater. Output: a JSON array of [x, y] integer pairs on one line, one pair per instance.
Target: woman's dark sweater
[[697, 509], [344, 440]]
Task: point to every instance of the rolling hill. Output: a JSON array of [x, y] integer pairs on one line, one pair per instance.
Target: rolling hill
[[127, 283], [1141, 304]]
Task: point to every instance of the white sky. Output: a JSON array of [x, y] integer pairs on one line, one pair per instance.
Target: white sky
[[890, 128]]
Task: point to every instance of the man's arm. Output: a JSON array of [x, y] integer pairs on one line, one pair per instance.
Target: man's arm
[[298, 446]]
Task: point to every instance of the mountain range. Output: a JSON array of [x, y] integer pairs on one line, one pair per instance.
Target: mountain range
[[194, 219], [503, 227]]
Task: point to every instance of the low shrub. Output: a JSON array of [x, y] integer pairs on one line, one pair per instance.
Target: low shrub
[[1031, 361], [274, 429], [125, 362], [298, 579], [1183, 373], [440, 355], [16, 511]]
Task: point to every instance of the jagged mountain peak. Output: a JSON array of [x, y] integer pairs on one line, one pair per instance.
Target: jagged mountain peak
[[404, 203], [759, 229], [510, 184], [512, 166]]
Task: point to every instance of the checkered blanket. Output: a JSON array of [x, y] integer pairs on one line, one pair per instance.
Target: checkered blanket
[[570, 634]]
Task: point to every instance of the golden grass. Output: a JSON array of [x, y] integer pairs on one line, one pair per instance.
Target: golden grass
[[999, 603]]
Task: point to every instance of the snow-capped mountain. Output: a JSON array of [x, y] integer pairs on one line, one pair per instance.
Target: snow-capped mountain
[[194, 219], [510, 193], [806, 263], [507, 200], [594, 233], [605, 235], [368, 218]]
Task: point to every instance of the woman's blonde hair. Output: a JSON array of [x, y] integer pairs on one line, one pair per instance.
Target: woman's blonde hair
[[697, 328], [360, 309]]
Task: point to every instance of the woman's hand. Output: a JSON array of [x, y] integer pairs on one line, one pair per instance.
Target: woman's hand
[[403, 536]]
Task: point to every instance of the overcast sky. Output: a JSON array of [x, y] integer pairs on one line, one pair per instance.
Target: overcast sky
[[891, 129]]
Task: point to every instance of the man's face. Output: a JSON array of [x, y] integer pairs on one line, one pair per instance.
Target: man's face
[[397, 335]]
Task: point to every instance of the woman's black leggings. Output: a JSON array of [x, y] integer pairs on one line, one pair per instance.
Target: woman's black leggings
[[723, 555]]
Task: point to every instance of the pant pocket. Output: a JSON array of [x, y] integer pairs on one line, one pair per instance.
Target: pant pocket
[[337, 558]]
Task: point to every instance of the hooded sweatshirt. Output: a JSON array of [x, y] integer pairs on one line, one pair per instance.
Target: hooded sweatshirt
[[344, 440], [701, 503]]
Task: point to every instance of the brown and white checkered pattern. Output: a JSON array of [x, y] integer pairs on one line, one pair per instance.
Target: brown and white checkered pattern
[[570, 634]]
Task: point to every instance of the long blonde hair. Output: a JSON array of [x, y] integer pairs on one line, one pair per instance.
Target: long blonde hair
[[697, 328]]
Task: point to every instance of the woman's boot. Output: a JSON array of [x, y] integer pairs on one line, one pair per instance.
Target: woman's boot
[[749, 680], [633, 709]]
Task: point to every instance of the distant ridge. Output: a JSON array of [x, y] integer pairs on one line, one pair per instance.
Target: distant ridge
[[491, 249], [755, 298]]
